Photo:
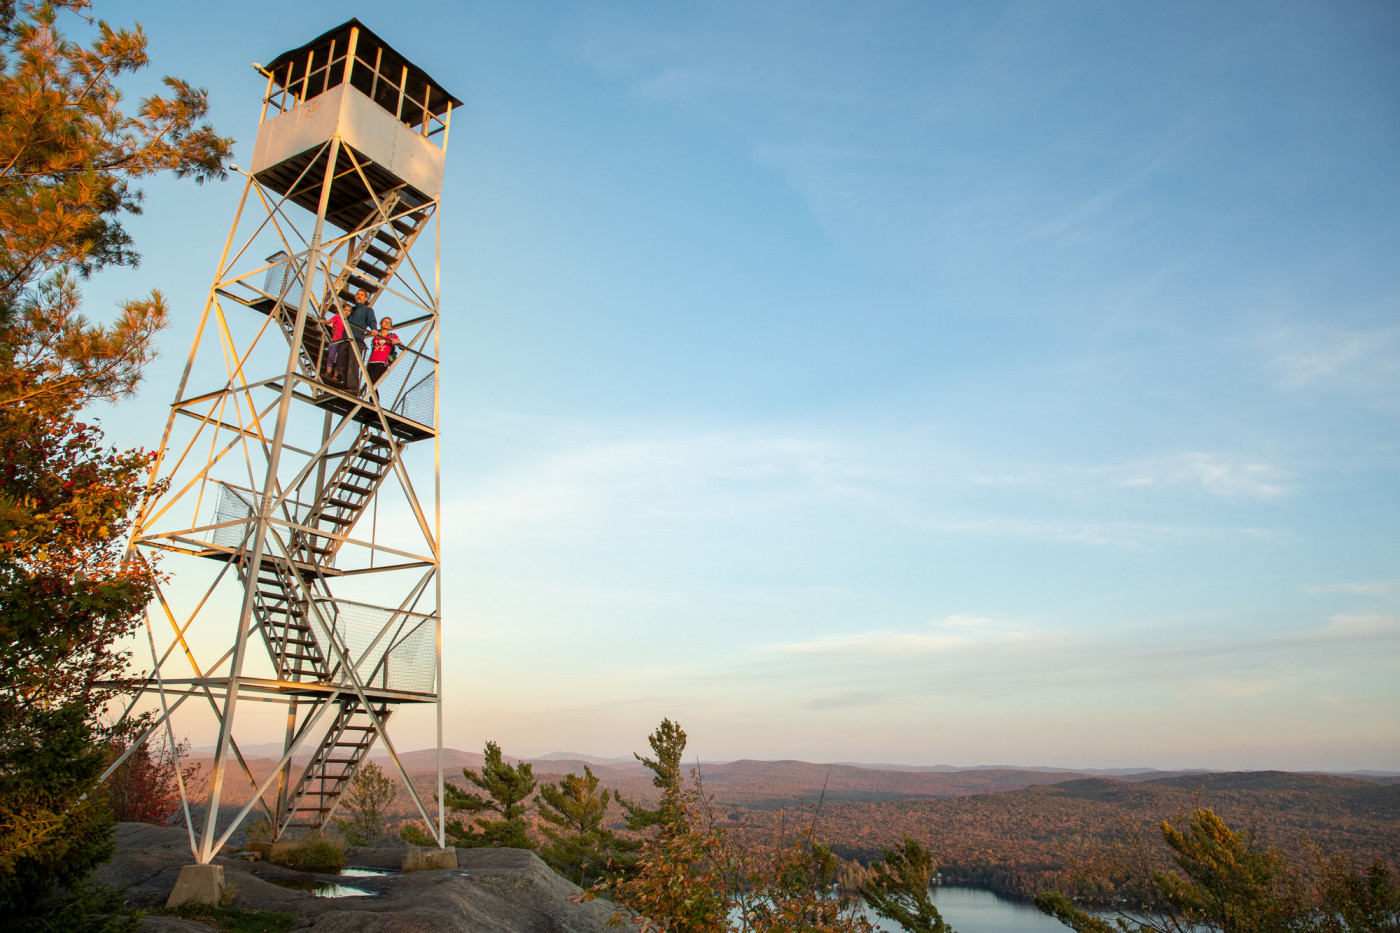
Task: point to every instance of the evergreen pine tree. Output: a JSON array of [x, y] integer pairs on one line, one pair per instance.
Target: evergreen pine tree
[[668, 744], [579, 846], [508, 791], [370, 793], [898, 890]]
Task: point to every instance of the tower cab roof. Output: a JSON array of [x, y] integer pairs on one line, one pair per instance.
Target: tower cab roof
[[379, 71]]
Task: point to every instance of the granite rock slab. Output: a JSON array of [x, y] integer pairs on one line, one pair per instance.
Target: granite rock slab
[[490, 891]]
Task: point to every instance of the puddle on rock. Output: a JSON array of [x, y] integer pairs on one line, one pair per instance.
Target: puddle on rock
[[319, 888], [364, 872]]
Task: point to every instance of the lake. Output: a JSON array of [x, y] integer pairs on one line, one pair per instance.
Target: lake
[[970, 910]]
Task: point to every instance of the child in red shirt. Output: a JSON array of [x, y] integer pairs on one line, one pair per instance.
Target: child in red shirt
[[335, 324], [382, 348]]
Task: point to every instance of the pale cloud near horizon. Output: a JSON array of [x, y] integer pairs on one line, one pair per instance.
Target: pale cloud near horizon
[[1021, 648], [942, 635], [962, 620], [881, 642], [1360, 627], [1388, 589], [745, 471]]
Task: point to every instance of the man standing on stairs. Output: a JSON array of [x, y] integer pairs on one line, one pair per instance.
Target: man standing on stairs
[[362, 322]]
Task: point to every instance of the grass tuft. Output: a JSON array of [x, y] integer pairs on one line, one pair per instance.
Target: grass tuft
[[318, 855], [231, 919]]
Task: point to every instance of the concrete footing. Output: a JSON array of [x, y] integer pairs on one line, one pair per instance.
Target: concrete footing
[[424, 859], [198, 884]]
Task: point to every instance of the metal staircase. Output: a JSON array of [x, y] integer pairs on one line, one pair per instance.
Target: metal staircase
[[332, 766], [279, 599], [380, 247], [299, 645], [342, 501], [282, 617]]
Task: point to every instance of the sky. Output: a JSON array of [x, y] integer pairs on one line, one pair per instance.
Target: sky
[[920, 383]]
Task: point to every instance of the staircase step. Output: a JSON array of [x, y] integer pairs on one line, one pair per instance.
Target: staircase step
[[386, 257], [371, 268], [333, 792], [343, 504]]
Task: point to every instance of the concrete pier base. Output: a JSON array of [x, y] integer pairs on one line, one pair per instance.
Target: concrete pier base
[[198, 884], [424, 859]]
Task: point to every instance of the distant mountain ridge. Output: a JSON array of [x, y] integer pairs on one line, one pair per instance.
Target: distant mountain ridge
[[1109, 772], [570, 761]]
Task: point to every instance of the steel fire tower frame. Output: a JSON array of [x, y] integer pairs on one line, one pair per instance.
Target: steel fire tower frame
[[297, 511]]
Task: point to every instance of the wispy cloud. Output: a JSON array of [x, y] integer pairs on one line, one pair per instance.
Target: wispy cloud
[[890, 665], [849, 699], [1360, 627], [940, 635], [1218, 474], [1353, 361], [964, 621], [878, 642], [678, 84], [699, 477], [1120, 534], [1004, 479], [1381, 590]]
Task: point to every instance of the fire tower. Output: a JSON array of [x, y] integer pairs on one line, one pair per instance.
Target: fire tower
[[294, 504]]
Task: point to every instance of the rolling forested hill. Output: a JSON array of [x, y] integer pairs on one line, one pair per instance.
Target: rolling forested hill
[[1019, 841]]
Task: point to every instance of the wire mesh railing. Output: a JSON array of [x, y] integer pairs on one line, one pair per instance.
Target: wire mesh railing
[[286, 278], [238, 504], [389, 648], [409, 390]]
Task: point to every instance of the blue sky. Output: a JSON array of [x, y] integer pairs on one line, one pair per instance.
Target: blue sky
[[923, 383]]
